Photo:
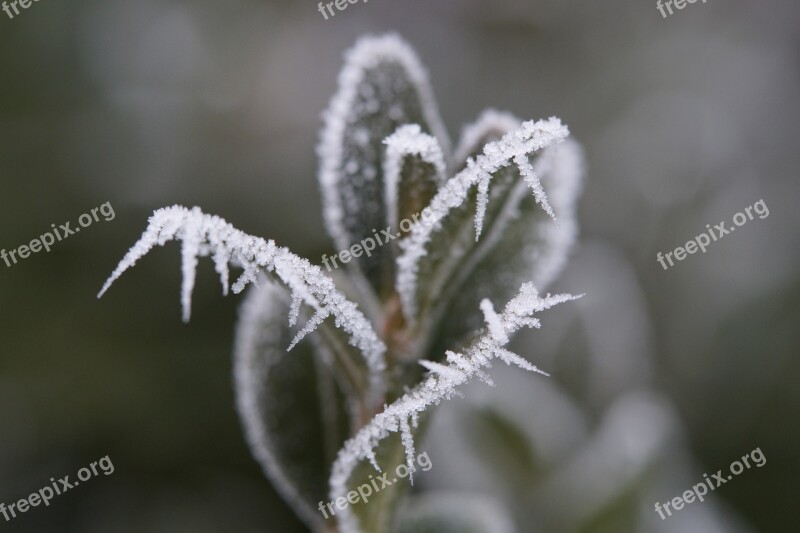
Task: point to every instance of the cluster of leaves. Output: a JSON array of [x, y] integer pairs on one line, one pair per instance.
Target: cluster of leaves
[[403, 328]]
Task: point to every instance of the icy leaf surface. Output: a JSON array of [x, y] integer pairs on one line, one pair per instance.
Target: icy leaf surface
[[293, 416], [382, 86], [499, 165], [523, 244]]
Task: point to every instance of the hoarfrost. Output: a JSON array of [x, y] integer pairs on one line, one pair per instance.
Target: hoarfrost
[[530, 137], [203, 235], [441, 384]]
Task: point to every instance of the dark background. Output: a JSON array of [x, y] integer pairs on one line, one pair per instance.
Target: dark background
[[685, 121]]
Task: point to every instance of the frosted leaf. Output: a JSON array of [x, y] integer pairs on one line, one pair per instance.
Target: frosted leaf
[[495, 163], [208, 234], [523, 245], [382, 86], [530, 247], [414, 168], [278, 399], [438, 386]]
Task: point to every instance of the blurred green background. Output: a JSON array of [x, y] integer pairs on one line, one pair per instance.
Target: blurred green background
[[685, 121]]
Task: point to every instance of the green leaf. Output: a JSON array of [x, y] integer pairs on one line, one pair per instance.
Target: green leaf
[[292, 410], [443, 272], [521, 243], [458, 270], [381, 87]]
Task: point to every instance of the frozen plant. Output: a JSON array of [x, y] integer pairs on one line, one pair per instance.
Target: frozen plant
[[376, 346]]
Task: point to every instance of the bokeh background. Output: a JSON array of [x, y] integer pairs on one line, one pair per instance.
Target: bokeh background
[[685, 121]]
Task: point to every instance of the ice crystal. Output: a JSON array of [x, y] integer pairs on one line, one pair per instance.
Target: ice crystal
[[382, 86]]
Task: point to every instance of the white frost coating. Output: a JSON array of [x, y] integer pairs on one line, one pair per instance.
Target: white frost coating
[[439, 385], [496, 328], [482, 199], [490, 122], [204, 235], [532, 180], [367, 53], [530, 137], [408, 140], [560, 169], [445, 371]]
